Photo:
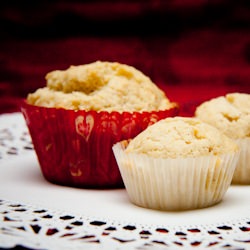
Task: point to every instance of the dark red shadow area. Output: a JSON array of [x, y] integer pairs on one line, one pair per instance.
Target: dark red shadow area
[[193, 51]]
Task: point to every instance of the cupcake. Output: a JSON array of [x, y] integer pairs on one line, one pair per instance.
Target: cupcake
[[82, 111], [231, 115], [178, 163]]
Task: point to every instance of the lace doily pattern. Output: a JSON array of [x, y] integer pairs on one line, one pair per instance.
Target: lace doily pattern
[[14, 136], [40, 228]]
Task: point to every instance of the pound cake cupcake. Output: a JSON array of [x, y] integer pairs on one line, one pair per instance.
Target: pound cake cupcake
[[75, 120], [178, 163], [231, 115]]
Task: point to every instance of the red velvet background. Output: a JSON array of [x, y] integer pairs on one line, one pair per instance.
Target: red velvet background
[[194, 50]]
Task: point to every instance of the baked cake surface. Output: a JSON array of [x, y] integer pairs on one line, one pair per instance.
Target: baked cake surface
[[181, 137], [101, 86], [230, 114]]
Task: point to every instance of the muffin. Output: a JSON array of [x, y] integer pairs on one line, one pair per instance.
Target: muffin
[[82, 111], [231, 115], [178, 163]]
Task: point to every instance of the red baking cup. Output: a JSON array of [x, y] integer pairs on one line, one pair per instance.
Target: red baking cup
[[74, 148]]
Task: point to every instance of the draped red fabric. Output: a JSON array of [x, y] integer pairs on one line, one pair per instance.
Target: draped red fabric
[[193, 50]]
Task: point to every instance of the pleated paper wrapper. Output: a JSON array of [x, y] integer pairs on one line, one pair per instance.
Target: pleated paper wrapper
[[242, 171], [175, 184], [74, 148]]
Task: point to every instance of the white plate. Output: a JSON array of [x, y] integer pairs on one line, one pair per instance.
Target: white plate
[[22, 181]]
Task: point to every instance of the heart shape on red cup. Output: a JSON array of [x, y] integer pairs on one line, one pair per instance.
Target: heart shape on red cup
[[84, 125]]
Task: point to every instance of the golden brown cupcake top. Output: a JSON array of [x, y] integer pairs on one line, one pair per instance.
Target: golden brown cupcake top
[[230, 114], [101, 86], [181, 137]]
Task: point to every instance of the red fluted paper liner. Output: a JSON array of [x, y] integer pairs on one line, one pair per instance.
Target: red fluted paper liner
[[242, 171], [74, 148], [175, 184]]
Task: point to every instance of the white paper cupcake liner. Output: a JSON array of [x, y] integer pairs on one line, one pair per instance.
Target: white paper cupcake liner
[[242, 171], [175, 184]]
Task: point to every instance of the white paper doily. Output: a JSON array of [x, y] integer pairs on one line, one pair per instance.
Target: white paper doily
[[40, 215]]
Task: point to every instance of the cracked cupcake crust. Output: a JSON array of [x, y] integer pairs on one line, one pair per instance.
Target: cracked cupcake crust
[[101, 86], [181, 137], [230, 114]]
